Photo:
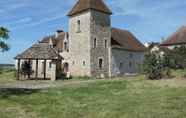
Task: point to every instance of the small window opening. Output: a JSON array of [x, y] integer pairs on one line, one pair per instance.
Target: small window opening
[[100, 63], [79, 26], [95, 43], [105, 43], [65, 46], [84, 63]]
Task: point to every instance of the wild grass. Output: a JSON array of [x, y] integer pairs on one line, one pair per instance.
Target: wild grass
[[119, 98]]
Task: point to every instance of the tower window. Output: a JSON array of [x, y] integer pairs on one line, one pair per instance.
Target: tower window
[[100, 63], [95, 43], [105, 43], [78, 26], [65, 46]]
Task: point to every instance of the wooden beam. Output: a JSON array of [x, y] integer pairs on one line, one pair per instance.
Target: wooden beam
[[36, 76], [44, 69], [18, 69]]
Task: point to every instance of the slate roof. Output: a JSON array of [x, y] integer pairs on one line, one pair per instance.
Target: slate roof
[[83, 5], [126, 40], [179, 37], [39, 51]]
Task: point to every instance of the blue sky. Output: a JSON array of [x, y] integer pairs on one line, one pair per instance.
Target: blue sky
[[30, 20]]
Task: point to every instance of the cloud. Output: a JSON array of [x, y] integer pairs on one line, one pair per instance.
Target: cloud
[[36, 23]]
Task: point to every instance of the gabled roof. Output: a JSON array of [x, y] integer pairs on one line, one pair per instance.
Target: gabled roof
[[179, 37], [126, 40], [57, 41], [39, 51], [83, 5]]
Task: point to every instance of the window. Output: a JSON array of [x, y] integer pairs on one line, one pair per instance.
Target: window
[[130, 64], [84, 63], [100, 63], [121, 66], [65, 46], [95, 43], [73, 62], [105, 43], [78, 26]]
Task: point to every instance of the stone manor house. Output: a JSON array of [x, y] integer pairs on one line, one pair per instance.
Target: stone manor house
[[91, 47]]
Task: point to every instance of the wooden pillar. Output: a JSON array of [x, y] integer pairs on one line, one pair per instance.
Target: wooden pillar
[[29, 73], [18, 69], [36, 76], [44, 69]]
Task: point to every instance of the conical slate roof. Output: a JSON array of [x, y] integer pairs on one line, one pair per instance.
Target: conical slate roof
[[179, 37], [83, 5]]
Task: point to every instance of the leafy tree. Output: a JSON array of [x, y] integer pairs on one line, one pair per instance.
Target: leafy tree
[[153, 66], [4, 35]]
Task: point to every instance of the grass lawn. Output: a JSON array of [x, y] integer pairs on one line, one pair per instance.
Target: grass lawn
[[7, 76], [118, 98], [131, 98]]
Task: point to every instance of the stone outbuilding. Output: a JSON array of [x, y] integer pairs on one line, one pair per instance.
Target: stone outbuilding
[[43, 61]]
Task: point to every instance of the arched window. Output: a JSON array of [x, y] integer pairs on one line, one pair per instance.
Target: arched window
[[95, 43], [78, 26], [100, 63]]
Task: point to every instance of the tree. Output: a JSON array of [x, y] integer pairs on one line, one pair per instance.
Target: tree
[[153, 66], [4, 35]]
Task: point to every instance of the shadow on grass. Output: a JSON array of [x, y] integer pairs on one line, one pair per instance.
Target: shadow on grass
[[8, 92]]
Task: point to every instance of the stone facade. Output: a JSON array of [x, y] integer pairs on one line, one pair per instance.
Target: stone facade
[[126, 62], [79, 44], [89, 42], [101, 32]]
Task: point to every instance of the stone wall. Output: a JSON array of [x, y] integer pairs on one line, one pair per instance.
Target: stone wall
[[79, 45], [101, 31], [124, 62]]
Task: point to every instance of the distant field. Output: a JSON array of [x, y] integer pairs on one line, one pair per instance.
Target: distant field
[[127, 97], [6, 66]]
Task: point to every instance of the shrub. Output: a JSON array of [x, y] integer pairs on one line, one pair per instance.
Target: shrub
[[153, 66]]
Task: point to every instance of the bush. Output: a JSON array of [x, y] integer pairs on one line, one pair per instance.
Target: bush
[[153, 66]]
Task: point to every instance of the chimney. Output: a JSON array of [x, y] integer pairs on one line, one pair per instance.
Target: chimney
[[58, 32], [50, 43]]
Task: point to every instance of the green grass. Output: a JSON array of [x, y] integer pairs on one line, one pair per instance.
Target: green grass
[[7, 76], [130, 98]]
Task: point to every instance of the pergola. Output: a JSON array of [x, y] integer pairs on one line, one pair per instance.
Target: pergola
[[39, 51]]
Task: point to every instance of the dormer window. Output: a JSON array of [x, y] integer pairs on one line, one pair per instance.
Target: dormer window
[[78, 26]]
